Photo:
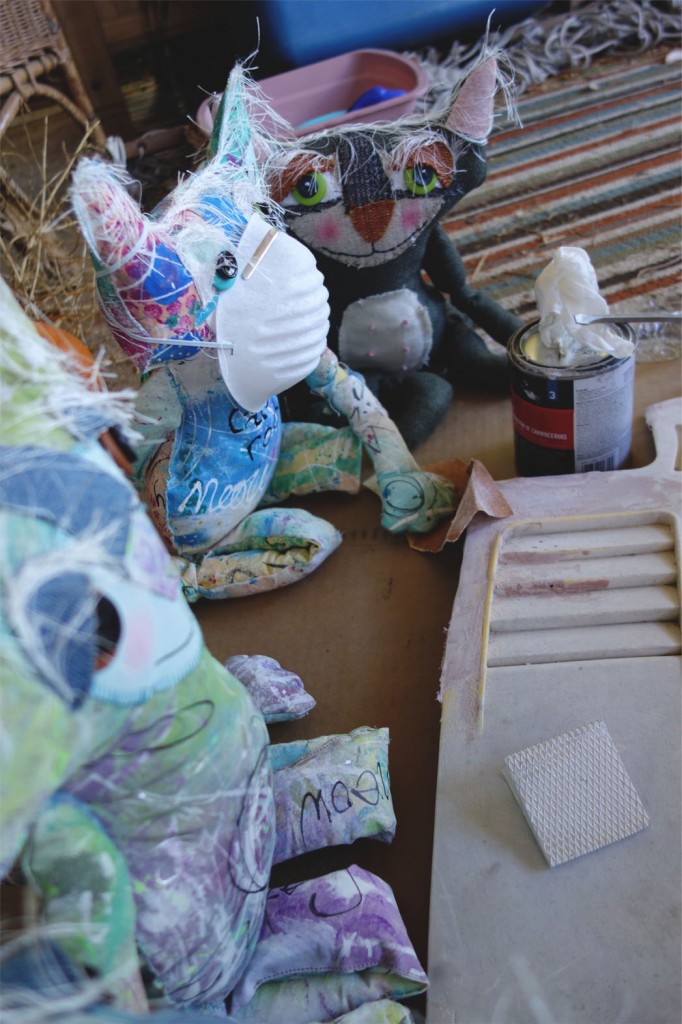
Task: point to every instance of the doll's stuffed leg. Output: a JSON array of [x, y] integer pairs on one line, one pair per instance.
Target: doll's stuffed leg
[[331, 791], [464, 358], [315, 458], [327, 946], [270, 548]]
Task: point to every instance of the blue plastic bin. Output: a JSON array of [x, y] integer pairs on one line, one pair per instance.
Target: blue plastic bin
[[298, 32]]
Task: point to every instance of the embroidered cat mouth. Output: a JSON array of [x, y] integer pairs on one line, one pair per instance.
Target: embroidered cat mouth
[[374, 249]]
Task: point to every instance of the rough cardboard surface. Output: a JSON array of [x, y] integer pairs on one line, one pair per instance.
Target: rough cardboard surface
[[366, 633]]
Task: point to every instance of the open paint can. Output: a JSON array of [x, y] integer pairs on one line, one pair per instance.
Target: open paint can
[[569, 419]]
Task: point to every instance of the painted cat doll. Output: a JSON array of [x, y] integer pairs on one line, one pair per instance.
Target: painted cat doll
[[139, 792], [367, 200]]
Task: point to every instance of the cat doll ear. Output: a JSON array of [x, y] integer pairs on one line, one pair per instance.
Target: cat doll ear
[[111, 221], [471, 114], [131, 257], [146, 293], [231, 140]]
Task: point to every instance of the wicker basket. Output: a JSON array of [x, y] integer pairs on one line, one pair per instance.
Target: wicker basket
[[31, 45], [27, 31]]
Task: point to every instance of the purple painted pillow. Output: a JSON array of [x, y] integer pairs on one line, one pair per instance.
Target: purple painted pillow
[[327, 946], [279, 695], [330, 791]]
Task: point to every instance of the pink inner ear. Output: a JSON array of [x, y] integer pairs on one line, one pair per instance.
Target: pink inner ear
[[472, 112], [115, 222]]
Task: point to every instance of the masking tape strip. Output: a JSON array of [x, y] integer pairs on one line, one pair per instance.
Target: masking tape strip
[[259, 253]]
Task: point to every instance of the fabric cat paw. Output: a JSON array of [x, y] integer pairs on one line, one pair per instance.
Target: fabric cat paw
[[331, 790], [279, 695], [326, 947], [414, 501], [270, 548]]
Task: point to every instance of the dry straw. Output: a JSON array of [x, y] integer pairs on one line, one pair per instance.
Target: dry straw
[[43, 257]]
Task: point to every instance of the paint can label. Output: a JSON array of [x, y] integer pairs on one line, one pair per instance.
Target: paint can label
[[570, 419]]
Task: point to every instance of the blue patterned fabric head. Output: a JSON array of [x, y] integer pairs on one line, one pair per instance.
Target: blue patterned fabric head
[[160, 276]]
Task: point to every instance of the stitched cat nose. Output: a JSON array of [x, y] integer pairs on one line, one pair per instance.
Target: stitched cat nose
[[371, 221]]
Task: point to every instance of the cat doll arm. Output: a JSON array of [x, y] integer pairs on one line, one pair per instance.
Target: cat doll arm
[[77, 875], [158, 412], [412, 500], [157, 416], [85, 894], [444, 266]]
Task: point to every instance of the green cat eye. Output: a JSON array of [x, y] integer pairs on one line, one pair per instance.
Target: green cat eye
[[310, 189], [420, 179]]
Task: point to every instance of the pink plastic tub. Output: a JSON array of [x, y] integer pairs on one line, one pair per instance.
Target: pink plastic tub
[[324, 92]]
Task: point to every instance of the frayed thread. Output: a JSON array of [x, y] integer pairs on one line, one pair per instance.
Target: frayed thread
[[40, 384], [541, 48]]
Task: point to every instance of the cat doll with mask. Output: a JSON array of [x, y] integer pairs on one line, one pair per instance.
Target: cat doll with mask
[[222, 311], [367, 200]]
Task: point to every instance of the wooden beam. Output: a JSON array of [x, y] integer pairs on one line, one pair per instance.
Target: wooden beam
[[80, 23]]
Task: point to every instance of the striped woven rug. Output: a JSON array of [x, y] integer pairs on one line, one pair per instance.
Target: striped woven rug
[[596, 164]]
